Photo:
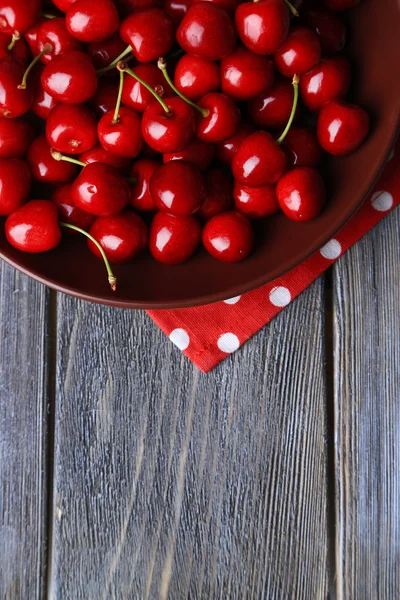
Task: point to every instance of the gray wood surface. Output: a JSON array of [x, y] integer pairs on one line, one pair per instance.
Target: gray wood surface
[[367, 415], [171, 483], [24, 397]]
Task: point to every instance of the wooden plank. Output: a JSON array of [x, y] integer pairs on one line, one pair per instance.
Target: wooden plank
[[367, 394], [24, 398], [172, 483]]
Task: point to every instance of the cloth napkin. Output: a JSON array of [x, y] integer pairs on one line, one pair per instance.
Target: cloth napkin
[[208, 334]]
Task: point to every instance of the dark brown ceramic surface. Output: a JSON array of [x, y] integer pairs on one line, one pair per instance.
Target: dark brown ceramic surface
[[283, 244]]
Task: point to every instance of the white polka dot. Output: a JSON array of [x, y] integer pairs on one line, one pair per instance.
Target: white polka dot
[[228, 342], [331, 250], [180, 338], [234, 300], [280, 296], [382, 201]]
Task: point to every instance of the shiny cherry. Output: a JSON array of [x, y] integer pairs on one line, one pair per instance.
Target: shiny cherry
[[302, 148], [342, 127], [255, 202], [262, 26], [299, 53], [30, 36], [16, 136], [71, 128], [340, 5], [218, 197], [136, 96], [165, 132], [124, 137], [15, 184], [177, 9], [105, 97], [329, 80], [301, 194], [55, 33], [43, 166], [272, 109], [42, 103], [142, 171], [177, 188], [329, 27], [228, 237], [195, 76], [99, 154], [103, 53], [68, 212], [173, 239], [70, 78], [245, 75], [92, 20], [207, 31], [14, 102], [34, 227], [225, 151], [100, 190], [122, 236], [150, 33], [259, 160], [20, 50], [222, 120], [18, 15], [197, 153]]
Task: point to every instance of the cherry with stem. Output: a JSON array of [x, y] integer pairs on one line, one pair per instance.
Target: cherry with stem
[[115, 62], [58, 156], [47, 48], [119, 99], [295, 83], [122, 66], [162, 65], [16, 36]]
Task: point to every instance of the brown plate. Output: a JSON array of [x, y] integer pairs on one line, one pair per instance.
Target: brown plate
[[283, 244]]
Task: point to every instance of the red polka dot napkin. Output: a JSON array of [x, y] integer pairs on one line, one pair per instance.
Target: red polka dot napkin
[[208, 334]]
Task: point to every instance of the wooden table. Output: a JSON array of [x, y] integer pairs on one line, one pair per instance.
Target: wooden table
[[126, 473]]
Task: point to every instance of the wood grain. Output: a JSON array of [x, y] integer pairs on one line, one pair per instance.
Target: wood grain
[[174, 484], [367, 407], [24, 397]]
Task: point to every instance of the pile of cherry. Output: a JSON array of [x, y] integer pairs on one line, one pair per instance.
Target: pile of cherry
[[151, 106]]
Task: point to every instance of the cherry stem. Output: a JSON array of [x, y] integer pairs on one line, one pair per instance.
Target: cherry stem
[[292, 9], [123, 67], [112, 280], [295, 83], [58, 156], [47, 48], [16, 36], [115, 62], [47, 16], [119, 99], [162, 65]]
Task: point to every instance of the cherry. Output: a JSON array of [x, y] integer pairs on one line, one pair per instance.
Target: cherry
[[16, 136], [302, 148], [15, 184], [301, 194], [64, 5], [207, 31], [225, 151], [299, 53], [173, 239], [30, 36], [197, 153], [142, 171], [272, 109], [329, 80], [92, 20], [68, 212], [228, 5], [137, 96], [150, 33], [259, 160], [245, 75], [340, 5], [103, 53], [342, 127], [328, 26], [177, 9], [220, 118], [100, 190], [170, 131], [105, 98], [228, 237], [18, 48], [262, 26], [255, 202], [122, 236], [34, 227], [196, 76], [17, 15], [70, 78], [55, 33], [14, 101], [42, 103], [99, 154], [218, 197], [177, 188], [43, 166], [71, 128]]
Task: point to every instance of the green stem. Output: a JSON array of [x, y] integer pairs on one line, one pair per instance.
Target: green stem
[[112, 280], [295, 84], [48, 48], [162, 65], [292, 9], [115, 62], [119, 99], [123, 67], [15, 37], [58, 156], [48, 16]]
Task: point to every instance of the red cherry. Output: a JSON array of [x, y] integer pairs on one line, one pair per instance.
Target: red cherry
[[20, 50], [64, 5], [342, 127], [16, 136], [14, 102], [103, 53], [43, 166], [329, 80], [105, 97], [100, 155], [225, 151], [228, 237], [122, 237], [301, 194], [177, 188], [168, 133], [255, 202], [222, 120], [173, 239], [218, 197], [55, 33], [150, 33], [228, 5], [71, 129], [136, 96], [31, 36], [328, 26], [68, 212], [34, 227], [177, 9], [196, 153], [299, 53], [100, 190], [123, 138], [42, 103], [18, 15], [272, 109], [141, 172], [262, 26], [207, 31], [302, 148], [126, 7], [259, 160], [245, 75], [92, 20], [340, 5], [70, 78], [196, 76], [15, 184]]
